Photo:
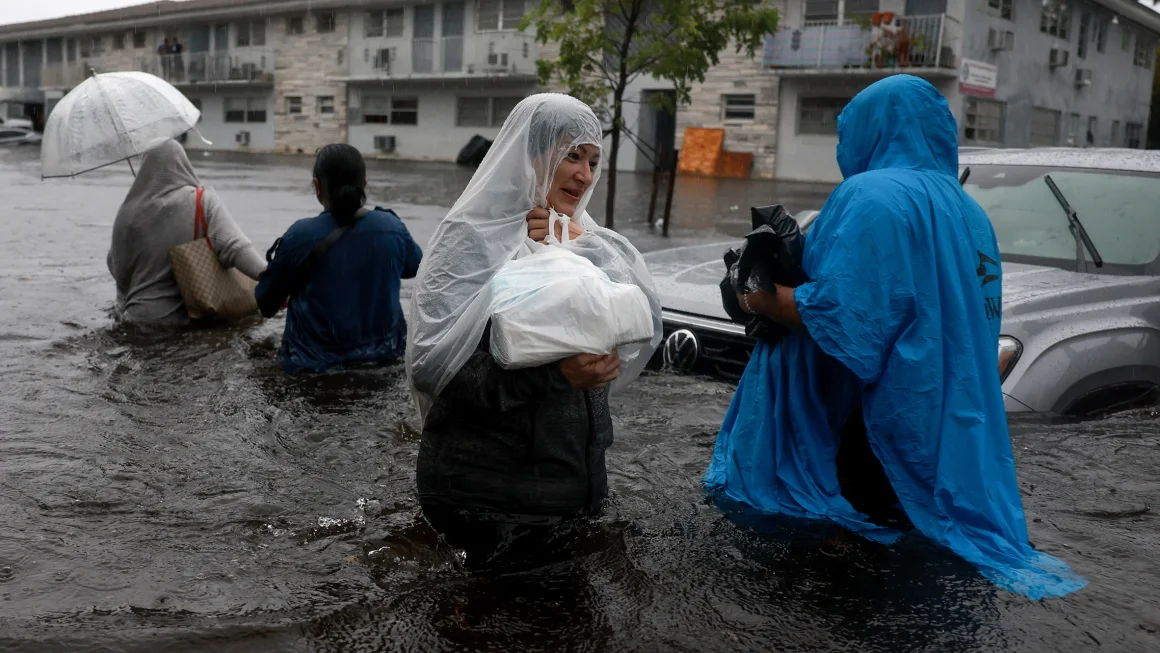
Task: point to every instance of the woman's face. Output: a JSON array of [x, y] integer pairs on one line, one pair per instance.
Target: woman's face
[[573, 177]]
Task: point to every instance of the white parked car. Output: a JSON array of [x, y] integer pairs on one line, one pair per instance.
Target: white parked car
[[18, 136]]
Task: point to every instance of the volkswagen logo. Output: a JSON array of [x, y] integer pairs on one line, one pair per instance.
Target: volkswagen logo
[[681, 350]]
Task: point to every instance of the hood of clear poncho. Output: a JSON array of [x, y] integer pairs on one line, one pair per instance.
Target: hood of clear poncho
[[487, 227]]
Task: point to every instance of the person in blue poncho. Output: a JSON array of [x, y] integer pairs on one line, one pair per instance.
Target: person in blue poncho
[[892, 324]]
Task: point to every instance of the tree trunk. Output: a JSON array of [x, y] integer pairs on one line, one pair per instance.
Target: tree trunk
[[610, 202]]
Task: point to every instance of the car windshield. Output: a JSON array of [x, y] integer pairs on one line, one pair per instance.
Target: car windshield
[[1118, 209]]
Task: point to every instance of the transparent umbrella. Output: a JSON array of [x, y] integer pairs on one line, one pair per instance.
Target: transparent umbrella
[[112, 117]]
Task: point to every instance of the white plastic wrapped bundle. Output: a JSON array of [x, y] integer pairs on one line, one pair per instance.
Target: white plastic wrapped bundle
[[487, 227], [555, 304]]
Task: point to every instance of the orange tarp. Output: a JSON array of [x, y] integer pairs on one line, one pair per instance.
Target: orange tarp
[[702, 154], [735, 164], [701, 151]]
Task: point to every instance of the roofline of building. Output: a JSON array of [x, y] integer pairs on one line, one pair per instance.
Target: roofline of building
[[164, 12], [1133, 11]]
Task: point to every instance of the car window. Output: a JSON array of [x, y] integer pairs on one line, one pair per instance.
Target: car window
[[11, 134], [1120, 211]]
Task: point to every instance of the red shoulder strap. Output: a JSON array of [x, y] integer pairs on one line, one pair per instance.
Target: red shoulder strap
[[199, 223]]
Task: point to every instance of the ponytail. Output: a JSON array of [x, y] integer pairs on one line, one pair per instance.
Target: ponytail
[[342, 178]]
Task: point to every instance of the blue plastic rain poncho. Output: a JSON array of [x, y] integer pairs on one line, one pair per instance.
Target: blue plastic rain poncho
[[902, 316]]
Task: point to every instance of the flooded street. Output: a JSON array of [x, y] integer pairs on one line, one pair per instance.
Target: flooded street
[[177, 492]]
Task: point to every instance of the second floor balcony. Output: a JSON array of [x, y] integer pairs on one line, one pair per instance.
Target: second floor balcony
[[885, 43], [492, 55], [250, 67]]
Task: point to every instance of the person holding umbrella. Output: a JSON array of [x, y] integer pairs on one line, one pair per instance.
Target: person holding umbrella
[[158, 215], [174, 242]]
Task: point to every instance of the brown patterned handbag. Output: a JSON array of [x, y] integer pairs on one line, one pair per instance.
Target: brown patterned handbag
[[208, 289]]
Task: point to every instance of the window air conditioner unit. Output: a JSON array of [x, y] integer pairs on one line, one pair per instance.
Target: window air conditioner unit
[[1058, 58], [497, 60], [242, 138], [385, 144], [1083, 77], [1000, 39]]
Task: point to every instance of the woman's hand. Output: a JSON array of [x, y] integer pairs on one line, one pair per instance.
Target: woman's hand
[[538, 226], [756, 302], [779, 306], [590, 371]]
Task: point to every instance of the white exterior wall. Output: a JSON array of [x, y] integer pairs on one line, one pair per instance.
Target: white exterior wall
[[436, 137], [222, 134]]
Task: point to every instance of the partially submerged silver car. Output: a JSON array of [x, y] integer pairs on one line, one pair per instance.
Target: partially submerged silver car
[[1079, 234]]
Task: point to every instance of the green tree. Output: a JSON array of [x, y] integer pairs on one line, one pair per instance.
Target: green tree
[[605, 45]]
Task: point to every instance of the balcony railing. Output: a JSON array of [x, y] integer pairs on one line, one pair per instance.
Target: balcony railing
[[922, 42], [501, 54], [211, 67]]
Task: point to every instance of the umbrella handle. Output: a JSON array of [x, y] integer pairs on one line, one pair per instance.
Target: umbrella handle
[[130, 162]]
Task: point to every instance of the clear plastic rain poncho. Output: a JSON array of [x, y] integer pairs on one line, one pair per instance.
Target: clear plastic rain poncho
[[487, 227]]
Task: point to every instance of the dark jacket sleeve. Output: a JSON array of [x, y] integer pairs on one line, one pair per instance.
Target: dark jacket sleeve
[[275, 283], [482, 383]]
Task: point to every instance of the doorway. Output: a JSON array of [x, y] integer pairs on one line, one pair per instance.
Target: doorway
[[656, 129]]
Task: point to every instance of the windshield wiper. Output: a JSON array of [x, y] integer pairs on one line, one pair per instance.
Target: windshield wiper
[[1076, 225], [963, 177]]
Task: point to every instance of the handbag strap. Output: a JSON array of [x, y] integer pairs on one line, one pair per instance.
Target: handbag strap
[[199, 223]]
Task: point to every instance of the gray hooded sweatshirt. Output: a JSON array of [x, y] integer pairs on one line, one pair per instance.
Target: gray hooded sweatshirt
[[156, 216]]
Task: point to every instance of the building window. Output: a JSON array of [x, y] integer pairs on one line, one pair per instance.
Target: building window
[[1125, 39], [1135, 135], [325, 104], [250, 34], [821, 12], [385, 22], [1115, 142], [256, 109], [196, 102], [139, 39], [1044, 127], [1144, 54], [91, 47], [294, 25], [1092, 130], [394, 23], [473, 112], [495, 15], [376, 110], [483, 111], [819, 115], [236, 109], [1002, 8], [374, 24], [1085, 25], [293, 104], [1101, 34], [1056, 18], [383, 110], [326, 22], [404, 111], [118, 41], [738, 107], [241, 109], [983, 121], [1072, 129]]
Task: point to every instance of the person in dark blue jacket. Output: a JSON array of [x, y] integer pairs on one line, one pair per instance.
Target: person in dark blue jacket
[[339, 274]]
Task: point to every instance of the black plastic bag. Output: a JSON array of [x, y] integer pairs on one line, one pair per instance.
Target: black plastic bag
[[472, 154], [770, 255]]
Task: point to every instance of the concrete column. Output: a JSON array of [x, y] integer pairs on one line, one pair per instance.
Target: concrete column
[[20, 59], [3, 65], [841, 12]]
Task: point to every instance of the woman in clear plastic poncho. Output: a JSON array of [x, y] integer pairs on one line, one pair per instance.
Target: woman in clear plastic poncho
[[502, 448]]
